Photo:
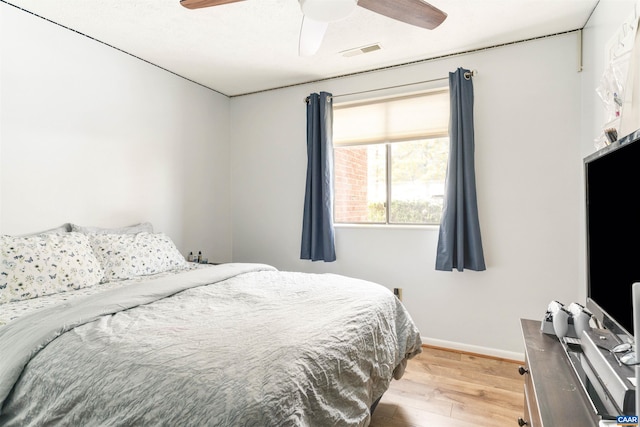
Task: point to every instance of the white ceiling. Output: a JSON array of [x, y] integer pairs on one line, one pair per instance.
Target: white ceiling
[[252, 45]]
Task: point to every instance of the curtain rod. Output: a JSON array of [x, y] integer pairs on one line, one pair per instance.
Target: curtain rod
[[467, 75]]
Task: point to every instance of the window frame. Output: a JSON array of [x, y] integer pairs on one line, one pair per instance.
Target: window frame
[[388, 144]]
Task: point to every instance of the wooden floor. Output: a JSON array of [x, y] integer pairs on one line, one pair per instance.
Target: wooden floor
[[443, 388]]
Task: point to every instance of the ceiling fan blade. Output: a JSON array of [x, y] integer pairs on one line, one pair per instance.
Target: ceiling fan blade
[[197, 4], [413, 12], [311, 35]]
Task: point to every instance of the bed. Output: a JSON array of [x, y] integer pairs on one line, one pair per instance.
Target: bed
[[114, 327]]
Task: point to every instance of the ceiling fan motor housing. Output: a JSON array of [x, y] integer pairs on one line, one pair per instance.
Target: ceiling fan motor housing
[[327, 10]]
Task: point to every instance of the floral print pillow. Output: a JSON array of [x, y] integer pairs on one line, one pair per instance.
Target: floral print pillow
[[32, 266], [125, 256]]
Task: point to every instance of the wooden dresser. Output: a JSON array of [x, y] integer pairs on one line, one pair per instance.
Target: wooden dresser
[[553, 394]]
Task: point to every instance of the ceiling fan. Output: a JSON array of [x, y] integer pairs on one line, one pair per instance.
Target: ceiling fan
[[317, 14]]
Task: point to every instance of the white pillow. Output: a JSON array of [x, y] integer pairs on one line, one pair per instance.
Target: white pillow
[[124, 256], [32, 266]]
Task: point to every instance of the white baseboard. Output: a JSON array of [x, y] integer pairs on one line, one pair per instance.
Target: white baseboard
[[493, 352]]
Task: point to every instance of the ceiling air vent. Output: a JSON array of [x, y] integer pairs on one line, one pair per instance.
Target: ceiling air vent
[[361, 50]]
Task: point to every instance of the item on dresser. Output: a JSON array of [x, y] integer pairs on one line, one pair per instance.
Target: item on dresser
[[548, 326], [608, 373], [561, 320], [581, 318]]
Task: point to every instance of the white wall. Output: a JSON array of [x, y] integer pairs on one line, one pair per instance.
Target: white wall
[[93, 136], [527, 115], [604, 23]]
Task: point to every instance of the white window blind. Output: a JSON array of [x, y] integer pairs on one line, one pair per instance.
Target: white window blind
[[424, 115]]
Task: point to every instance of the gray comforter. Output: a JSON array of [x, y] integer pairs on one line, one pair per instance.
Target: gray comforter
[[230, 345]]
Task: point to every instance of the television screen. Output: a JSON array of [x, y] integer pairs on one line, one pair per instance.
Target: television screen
[[612, 178]]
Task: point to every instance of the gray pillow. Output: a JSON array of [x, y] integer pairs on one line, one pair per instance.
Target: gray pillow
[[131, 229], [64, 228]]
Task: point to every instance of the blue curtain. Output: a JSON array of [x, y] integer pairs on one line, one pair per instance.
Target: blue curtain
[[459, 242], [317, 223]]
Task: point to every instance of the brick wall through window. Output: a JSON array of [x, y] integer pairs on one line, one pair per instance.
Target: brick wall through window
[[351, 180]]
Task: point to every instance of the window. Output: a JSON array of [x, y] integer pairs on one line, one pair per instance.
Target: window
[[391, 159]]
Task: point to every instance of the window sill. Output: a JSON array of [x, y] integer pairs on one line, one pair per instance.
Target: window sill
[[390, 226]]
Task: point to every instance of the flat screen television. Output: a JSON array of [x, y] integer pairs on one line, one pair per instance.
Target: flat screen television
[[612, 180]]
